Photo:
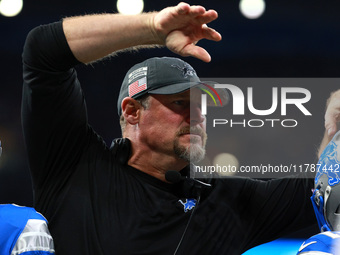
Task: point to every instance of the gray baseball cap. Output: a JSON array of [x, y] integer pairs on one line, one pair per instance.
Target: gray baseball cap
[[164, 75]]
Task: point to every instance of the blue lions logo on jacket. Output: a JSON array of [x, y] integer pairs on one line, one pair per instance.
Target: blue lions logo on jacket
[[328, 164], [189, 204]]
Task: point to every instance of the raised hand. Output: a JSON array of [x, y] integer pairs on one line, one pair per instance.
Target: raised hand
[[182, 26], [332, 119], [332, 115]]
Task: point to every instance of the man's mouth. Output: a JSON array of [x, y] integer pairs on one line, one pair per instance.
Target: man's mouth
[[194, 132]]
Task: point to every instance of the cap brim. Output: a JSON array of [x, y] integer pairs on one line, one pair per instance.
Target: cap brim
[[174, 88], [221, 93]]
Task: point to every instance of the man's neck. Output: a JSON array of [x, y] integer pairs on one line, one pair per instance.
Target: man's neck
[[154, 163]]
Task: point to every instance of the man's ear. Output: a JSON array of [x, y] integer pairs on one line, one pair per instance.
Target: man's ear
[[131, 110]]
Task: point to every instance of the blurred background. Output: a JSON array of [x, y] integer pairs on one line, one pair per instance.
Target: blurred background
[[261, 38]]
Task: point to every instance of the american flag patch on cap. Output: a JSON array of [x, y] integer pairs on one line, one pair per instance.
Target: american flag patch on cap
[[137, 87]]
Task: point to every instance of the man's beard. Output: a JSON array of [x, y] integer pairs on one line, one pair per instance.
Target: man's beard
[[195, 152]]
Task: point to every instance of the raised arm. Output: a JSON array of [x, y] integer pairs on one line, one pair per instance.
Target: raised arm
[[332, 119], [179, 28], [54, 114]]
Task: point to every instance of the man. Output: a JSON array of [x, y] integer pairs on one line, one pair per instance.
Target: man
[[23, 231], [326, 203], [103, 201]]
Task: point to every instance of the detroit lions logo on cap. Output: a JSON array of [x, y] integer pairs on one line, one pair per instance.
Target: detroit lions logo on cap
[[186, 70], [189, 204]]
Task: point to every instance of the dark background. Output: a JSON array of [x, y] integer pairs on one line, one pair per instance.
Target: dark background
[[291, 39]]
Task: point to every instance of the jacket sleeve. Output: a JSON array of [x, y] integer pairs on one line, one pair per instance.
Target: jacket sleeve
[[54, 114], [276, 208]]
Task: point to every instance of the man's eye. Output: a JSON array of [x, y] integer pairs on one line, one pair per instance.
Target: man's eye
[[179, 102]]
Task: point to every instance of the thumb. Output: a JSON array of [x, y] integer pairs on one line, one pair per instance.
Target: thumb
[[331, 130], [330, 124], [197, 52]]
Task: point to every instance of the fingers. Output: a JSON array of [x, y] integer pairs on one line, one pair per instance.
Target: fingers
[[182, 8], [194, 10], [211, 34], [206, 17]]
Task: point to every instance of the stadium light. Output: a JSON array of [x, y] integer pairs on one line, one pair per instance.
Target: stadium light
[[130, 6], [252, 9], [10, 8]]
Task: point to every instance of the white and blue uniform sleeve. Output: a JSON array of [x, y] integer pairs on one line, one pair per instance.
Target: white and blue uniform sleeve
[[326, 243], [24, 231]]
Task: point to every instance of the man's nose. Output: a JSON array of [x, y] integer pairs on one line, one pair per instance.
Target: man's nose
[[196, 116]]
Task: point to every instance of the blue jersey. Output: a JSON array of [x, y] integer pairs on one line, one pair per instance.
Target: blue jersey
[[326, 243], [23, 231]]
